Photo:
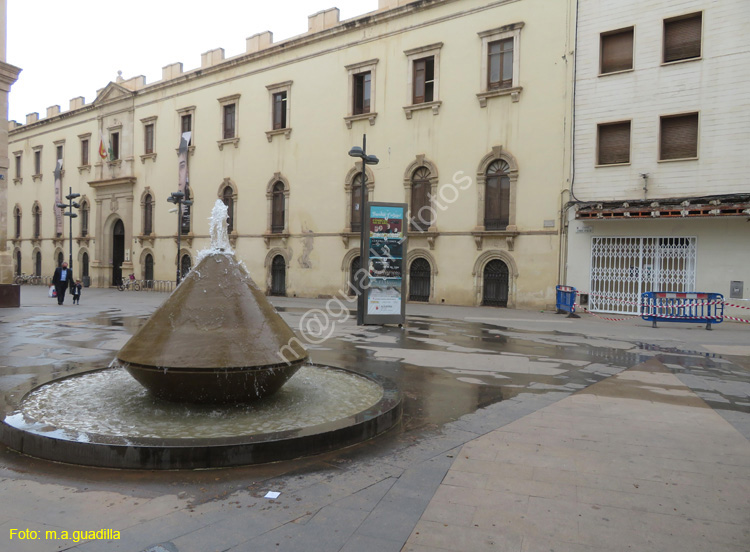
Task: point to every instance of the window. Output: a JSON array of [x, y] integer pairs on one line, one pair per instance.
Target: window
[[280, 95], [84, 152], [229, 121], [500, 64], [682, 37], [17, 158], [36, 213], [277, 208], [187, 123], [229, 128], [679, 137], [38, 161], [356, 204], [148, 215], [84, 218], [500, 67], [497, 200], [362, 87], [423, 78], [279, 110], [613, 146], [616, 51], [148, 138], [17, 219], [59, 152], [114, 144], [361, 95], [227, 196], [421, 208]]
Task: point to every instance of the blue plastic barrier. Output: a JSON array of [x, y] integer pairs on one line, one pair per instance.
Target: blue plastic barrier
[[704, 308], [566, 300]]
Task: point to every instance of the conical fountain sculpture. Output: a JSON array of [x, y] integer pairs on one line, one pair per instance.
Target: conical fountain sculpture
[[216, 339]]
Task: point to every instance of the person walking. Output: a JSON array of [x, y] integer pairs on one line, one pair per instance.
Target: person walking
[[62, 279], [76, 291]]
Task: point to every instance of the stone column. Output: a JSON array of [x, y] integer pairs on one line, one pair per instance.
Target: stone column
[[8, 75]]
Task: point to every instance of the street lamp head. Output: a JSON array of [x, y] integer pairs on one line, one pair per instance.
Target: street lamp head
[[72, 196], [356, 151], [371, 160], [76, 205], [187, 202], [70, 214]]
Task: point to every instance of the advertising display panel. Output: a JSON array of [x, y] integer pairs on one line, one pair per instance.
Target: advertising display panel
[[385, 261]]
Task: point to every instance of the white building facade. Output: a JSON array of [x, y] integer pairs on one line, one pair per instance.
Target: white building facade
[[465, 102], [660, 199]]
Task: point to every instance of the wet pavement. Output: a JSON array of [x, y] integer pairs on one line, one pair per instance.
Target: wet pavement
[[465, 375]]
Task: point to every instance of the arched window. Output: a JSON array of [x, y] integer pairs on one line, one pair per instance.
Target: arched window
[[353, 269], [38, 264], [60, 258], [419, 280], [148, 270], [497, 196], [495, 284], [227, 196], [356, 207], [421, 209], [36, 212], [185, 265], [17, 219], [84, 218], [148, 215], [185, 217], [278, 276], [18, 263], [277, 208]]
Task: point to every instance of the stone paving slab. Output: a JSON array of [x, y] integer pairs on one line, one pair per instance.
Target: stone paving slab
[[635, 462]]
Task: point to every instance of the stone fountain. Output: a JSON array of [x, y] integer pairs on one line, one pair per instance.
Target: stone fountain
[[216, 339], [217, 391]]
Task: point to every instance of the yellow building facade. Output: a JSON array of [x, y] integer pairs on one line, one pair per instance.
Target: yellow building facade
[[466, 103]]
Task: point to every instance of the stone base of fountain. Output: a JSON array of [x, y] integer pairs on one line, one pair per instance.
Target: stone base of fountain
[[60, 440], [214, 386]]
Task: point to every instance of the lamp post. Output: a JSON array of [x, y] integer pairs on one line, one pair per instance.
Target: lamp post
[[361, 153], [69, 213], [178, 198]]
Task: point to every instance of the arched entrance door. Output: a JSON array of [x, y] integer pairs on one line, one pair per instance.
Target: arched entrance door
[[185, 266], [419, 280], [278, 276], [118, 252], [18, 263], [85, 270], [353, 269], [148, 270], [495, 288], [38, 264], [60, 258]]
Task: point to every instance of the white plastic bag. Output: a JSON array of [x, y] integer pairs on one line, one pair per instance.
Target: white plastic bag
[[52, 291]]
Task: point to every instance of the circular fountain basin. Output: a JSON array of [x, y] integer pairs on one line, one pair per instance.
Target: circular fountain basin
[[105, 418]]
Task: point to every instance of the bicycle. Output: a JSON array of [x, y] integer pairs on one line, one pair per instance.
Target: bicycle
[[27, 279], [130, 284]]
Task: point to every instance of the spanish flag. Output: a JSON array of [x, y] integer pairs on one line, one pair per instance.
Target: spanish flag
[[103, 147]]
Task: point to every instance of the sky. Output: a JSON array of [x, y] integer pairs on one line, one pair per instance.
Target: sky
[[71, 48]]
